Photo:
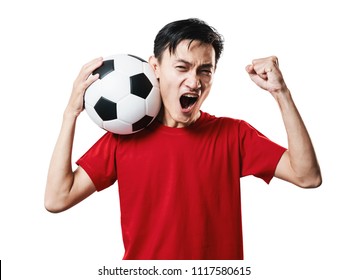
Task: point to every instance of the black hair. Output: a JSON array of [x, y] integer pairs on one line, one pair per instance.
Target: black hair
[[192, 29]]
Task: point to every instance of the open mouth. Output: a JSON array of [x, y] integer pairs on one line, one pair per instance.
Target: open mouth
[[188, 100]]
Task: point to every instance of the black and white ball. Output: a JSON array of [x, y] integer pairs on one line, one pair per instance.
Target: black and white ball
[[126, 97]]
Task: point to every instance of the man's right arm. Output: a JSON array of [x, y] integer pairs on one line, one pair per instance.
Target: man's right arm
[[66, 187]]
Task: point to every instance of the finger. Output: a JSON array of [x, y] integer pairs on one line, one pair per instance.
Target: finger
[[250, 69], [273, 59], [265, 65], [93, 62], [91, 79], [254, 74], [85, 78], [89, 67], [259, 80]]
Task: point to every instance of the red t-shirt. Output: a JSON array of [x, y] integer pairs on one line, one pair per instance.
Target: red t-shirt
[[179, 188]]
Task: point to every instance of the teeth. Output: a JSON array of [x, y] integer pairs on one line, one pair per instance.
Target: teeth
[[190, 95]]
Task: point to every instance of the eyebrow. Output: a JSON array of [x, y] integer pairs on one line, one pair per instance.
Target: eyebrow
[[205, 65]]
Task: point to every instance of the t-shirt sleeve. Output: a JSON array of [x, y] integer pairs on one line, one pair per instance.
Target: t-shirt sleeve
[[259, 155], [99, 161]]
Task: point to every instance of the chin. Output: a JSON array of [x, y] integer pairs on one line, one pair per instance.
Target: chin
[[178, 116]]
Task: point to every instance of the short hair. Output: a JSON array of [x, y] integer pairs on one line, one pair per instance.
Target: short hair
[[192, 29]]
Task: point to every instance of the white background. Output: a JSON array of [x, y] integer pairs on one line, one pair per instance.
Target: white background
[[289, 233]]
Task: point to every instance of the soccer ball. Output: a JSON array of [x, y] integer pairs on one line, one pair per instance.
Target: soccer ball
[[126, 97]]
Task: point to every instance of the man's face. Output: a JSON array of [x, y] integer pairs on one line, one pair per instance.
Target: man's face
[[185, 79]]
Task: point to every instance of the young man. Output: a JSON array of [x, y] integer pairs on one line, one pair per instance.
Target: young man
[[179, 179]]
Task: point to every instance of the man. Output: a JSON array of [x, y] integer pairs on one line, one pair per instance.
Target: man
[[179, 179]]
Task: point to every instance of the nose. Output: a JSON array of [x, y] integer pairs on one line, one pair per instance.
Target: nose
[[193, 82]]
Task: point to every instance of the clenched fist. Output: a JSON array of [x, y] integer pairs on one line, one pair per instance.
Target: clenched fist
[[265, 73]]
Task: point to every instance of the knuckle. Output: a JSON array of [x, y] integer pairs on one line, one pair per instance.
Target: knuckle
[[274, 59]]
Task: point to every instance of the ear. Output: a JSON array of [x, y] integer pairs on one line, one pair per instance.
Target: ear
[[153, 61]]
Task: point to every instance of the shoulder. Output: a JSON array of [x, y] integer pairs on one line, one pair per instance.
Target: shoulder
[[109, 138], [222, 122], [107, 141], [228, 125]]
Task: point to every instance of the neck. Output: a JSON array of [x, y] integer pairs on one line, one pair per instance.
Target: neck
[[166, 119]]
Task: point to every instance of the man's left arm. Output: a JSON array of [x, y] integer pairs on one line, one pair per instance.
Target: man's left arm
[[299, 164]]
